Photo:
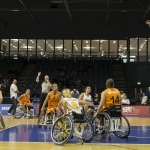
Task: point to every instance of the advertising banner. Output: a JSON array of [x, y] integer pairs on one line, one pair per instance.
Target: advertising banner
[[136, 110]]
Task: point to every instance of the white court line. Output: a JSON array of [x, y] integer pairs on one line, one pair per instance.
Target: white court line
[[9, 127], [140, 137]]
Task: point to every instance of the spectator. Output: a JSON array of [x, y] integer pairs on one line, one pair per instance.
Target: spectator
[[75, 93], [35, 94], [78, 82], [74, 74], [122, 94], [125, 100], [144, 100], [1, 75], [96, 99]]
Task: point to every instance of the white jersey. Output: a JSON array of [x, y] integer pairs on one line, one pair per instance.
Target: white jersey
[[144, 100], [13, 88], [88, 99], [73, 104]]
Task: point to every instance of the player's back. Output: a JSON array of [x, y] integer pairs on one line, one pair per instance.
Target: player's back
[[113, 97]]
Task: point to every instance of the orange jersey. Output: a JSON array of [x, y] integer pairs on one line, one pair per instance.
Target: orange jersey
[[24, 99], [53, 99], [113, 97]]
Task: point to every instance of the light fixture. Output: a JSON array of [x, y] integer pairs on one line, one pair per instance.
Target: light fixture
[[114, 42]]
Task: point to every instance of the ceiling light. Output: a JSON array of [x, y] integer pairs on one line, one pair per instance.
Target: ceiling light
[[139, 49], [86, 41], [114, 42], [145, 40], [15, 10], [41, 49], [23, 44]]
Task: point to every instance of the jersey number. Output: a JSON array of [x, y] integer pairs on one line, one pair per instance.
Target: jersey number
[[115, 100]]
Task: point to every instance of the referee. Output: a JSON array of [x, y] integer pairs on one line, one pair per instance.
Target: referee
[[46, 85]]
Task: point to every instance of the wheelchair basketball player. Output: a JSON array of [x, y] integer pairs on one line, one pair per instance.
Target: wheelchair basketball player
[[24, 99], [52, 99]]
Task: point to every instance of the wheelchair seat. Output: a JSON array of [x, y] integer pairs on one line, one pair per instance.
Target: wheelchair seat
[[78, 118], [114, 111]]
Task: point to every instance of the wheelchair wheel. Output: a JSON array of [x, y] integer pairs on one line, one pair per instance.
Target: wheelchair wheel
[[20, 110], [42, 119], [2, 124], [123, 127], [62, 130], [88, 132], [102, 125]]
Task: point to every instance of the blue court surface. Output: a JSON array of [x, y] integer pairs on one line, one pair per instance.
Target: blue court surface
[[33, 133]]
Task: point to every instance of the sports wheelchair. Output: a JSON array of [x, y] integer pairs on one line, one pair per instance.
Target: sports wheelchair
[[2, 124], [73, 124], [111, 121], [44, 119], [21, 111]]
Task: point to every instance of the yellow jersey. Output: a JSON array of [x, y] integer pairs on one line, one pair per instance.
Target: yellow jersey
[[24, 99], [53, 99], [113, 97]]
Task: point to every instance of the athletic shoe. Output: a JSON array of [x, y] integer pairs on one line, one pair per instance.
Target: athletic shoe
[[9, 114]]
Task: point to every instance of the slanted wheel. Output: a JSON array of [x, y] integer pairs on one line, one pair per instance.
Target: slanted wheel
[[20, 110], [88, 132], [43, 119], [102, 125], [2, 124], [123, 127], [62, 130]]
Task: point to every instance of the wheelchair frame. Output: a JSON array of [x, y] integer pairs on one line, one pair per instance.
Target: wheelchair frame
[[22, 111], [113, 123], [69, 126], [42, 121]]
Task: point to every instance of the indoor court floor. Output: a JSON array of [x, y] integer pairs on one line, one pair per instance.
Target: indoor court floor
[[24, 134]]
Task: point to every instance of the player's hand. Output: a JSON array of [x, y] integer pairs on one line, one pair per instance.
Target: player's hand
[[39, 73]]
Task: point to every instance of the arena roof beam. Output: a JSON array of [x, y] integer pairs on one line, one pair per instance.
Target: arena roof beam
[[68, 10], [147, 10], [31, 15]]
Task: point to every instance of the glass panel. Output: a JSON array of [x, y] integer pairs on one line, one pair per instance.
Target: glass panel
[[5, 47], [133, 49], [41, 48], [123, 48], [50, 48], [14, 48], [68, 48], [113, 48], [95, 48], [23, 47], [59, 48], [149, 49], [104, 48], [86, 48], [31, 47], [77, 48], [142, 49]]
